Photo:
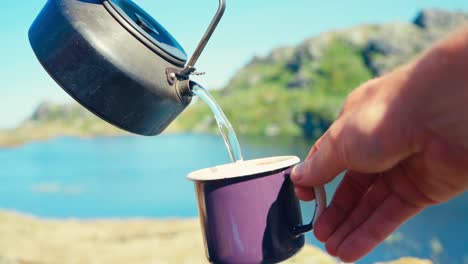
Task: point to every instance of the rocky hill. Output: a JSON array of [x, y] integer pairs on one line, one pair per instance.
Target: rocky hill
[[51, 120], [299, 90], [294, 91]]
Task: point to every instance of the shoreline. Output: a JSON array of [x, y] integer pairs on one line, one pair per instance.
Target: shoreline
[[26, 238], [4, 145], [283, 139], [35, 131]]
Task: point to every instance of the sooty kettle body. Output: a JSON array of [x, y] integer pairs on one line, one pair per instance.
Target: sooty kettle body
[[115, 60]]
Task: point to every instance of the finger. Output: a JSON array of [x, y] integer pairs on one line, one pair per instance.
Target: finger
[[316, 146], [323, 166], [348, 194], [304, 194], [392, 212], [366, 206], [387, 218]]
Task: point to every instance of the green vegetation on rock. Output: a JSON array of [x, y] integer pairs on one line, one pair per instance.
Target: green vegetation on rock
[[267, 97], [342, 69]]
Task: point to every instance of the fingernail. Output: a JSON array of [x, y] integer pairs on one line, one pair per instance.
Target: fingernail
[[297, 171]]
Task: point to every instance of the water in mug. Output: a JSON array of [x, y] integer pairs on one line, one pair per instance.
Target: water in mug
[[225, 127]]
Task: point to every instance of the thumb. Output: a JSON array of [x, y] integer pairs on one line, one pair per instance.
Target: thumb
[[322, 165], [348, 145]]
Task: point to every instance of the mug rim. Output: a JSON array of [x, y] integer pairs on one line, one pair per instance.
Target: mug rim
[[234, 171]]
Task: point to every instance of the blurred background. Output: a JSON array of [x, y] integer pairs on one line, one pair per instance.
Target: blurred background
[[279, 69]]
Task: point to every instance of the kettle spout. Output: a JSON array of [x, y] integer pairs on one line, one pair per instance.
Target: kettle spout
[[184, 91]]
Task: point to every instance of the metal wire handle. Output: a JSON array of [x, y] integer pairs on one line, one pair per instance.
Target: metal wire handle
[[190, 68]]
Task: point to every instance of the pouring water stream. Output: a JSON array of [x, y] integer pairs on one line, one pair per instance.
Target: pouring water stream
[[225, 127]]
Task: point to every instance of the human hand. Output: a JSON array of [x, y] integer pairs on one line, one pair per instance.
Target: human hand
[[402, 140]]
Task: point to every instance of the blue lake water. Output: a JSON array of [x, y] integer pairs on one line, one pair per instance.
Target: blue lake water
[[126, 177]]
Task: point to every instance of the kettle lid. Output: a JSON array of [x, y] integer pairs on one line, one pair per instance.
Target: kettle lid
[[145, 28]]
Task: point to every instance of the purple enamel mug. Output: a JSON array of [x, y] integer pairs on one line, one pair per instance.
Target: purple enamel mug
[[249, 213]]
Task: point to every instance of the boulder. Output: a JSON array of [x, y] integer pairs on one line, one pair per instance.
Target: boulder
[[439, 19]]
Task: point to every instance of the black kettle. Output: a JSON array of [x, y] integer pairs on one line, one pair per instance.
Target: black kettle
[[117, 61]]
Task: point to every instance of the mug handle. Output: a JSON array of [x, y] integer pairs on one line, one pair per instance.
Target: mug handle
[[320, 205]]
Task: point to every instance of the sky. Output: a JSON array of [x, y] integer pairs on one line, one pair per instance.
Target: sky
[[249, 28]]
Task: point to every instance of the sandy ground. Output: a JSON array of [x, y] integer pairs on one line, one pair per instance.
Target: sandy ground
[[29, 240]]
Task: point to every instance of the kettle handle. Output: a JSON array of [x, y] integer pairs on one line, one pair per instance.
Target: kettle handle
[[190, 67]]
